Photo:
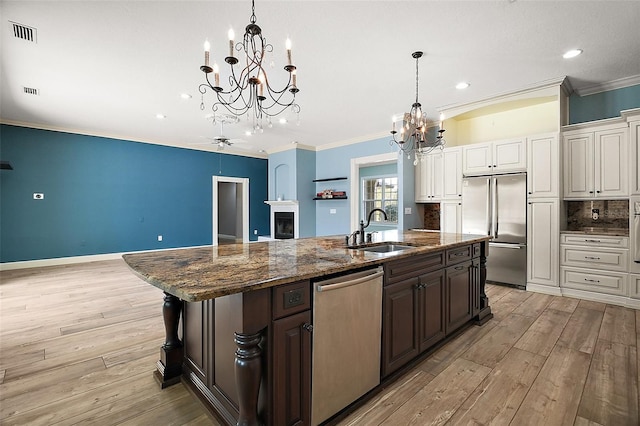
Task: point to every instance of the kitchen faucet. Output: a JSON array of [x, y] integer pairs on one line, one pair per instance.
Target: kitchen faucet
[[363, 226]]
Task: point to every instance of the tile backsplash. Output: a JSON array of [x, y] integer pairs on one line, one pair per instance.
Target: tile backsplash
[[432, 216], [611, 214]]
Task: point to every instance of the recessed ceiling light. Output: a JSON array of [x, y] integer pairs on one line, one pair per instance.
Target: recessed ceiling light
[[572, 53], [283, 121], [248, 133], [462, 85], [185, 96], [160, 116]]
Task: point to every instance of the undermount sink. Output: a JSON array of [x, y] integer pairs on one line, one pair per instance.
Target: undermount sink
[[385, 248]]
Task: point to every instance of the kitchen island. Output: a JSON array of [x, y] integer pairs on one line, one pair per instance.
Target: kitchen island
[[238, 318]]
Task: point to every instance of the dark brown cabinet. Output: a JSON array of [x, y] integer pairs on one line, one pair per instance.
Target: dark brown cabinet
[[292, 370], [399, 324], [431, 327], [458, 294], [291, 354]]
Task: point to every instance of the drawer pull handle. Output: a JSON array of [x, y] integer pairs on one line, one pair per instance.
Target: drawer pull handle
[[459, 254], [591, 281], [592, 241], [592, 258]]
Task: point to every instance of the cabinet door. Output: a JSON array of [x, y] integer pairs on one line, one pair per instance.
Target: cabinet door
[[451, 216], [542, 242], [436, 175], [543, 166], [634, 137], [421, 189], [399, 332], [452, 173], [477, 159], [611, 157], [292, 370], [458, 286], [431, 310], [578, 165], [510, 155]]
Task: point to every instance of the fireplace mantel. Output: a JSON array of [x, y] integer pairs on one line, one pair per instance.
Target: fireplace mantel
[[285, 206]]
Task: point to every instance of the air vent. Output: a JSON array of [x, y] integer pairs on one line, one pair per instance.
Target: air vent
[[30, 91], [24, 32]]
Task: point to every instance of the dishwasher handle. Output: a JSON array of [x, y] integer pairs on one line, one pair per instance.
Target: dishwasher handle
[[343, 284]]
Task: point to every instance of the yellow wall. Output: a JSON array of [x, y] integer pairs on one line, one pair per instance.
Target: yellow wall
[[530, 120]]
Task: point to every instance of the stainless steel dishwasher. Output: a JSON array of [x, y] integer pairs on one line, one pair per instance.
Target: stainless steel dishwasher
[[347, 328]]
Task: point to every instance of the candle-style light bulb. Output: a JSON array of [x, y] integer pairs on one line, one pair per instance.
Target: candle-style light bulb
[[295, 78], [231, 35], [441, 121], [216, 74], [393, 122], [288, 46], [207, 48]]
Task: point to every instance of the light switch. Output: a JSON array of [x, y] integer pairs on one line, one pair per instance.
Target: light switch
[[332, 211], [407, 210]]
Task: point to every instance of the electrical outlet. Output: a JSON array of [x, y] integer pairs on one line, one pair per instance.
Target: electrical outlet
[[255, 232], [407, 210], [595, 214], [38, 196], [159, 237], [332, 211]]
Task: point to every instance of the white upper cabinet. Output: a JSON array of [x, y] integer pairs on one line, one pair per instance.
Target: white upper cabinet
[[452, 173], [495, 157], [429, 178], [596, 162], [543, 158], [451, 216]]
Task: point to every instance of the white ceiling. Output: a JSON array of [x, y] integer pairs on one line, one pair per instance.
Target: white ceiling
[[108, 67]]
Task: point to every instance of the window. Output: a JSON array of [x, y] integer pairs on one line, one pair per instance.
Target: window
[[381, 193]]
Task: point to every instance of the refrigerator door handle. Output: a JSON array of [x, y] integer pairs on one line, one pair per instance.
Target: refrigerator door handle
[[494, 204], [508, 246], [636, 235], [488, 216]]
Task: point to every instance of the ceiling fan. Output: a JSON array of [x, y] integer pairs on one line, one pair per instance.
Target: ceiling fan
[[221, 140]]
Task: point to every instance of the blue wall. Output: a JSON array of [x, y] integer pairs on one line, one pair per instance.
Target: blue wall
[[108, 196], [337, 162], [603, 105]]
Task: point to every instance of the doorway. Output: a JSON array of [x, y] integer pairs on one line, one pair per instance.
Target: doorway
[[230, 212]]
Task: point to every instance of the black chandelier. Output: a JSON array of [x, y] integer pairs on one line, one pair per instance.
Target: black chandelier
[[249, 89], [414, 130]]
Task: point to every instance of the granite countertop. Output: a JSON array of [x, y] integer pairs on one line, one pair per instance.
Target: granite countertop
[[616, 232], [203, 273]]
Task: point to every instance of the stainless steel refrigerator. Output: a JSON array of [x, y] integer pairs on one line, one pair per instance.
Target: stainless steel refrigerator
[[497, 205]]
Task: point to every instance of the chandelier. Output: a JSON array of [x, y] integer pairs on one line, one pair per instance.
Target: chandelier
[[414, 136], [249, 91]]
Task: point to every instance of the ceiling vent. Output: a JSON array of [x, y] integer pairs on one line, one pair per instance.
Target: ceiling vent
[[30, 91], [24, 32]]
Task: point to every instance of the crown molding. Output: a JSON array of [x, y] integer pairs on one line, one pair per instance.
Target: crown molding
[[609, 85]]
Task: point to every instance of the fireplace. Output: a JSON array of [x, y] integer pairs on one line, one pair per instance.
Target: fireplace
[[285, 219], [284, 226]]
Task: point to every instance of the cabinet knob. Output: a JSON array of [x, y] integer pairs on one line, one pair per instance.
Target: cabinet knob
[[529, 193], [590, 192], [308, 327], [495, 165], [459, 195], [597, 192]]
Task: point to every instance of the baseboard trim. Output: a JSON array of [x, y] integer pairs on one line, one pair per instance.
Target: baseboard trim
[[545, 289], [57, 261], [611, 299]]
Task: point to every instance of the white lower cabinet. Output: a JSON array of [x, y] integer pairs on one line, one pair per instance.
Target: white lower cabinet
[[542, 242], [594, 263], [634, 286], [451, 216]]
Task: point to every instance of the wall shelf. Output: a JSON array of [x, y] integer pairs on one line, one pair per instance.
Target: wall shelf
[[333, 198], [330, 179]]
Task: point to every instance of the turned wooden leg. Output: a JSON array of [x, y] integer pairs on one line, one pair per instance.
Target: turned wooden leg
[[485, 310], [169, 366], [248, 376]]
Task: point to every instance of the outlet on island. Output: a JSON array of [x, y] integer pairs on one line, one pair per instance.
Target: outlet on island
[[595, 214], [159, 237]]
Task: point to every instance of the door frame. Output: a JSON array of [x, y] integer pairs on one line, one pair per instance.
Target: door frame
[[244, 187], [356, 198]]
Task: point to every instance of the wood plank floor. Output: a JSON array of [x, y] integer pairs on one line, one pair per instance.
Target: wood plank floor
[[78, 345]]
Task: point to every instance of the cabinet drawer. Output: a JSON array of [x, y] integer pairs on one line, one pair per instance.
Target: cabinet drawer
[[459, 254], [611, 260], [592, 280], [290, 299], [595, 240], [413, 266]]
